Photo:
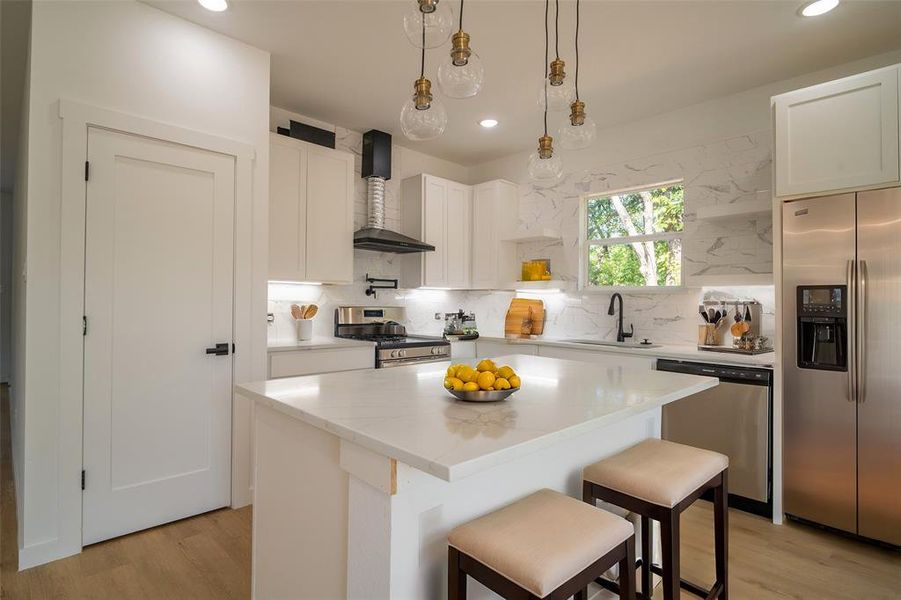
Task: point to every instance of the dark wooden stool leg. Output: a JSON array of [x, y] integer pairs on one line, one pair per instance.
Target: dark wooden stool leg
[[669, 539], [646, 557], [721, 534], [627, 572], [456, 578]]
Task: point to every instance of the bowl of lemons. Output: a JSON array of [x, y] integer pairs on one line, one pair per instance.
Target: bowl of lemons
[[486, 382]]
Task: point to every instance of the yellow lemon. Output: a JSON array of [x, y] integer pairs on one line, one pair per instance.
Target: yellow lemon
[[505, 372], [456, 384], [487, 365], [514, 381], [452, 371], [466, 374], [501, 384], [486, 380], [448, 383], [471, 386]]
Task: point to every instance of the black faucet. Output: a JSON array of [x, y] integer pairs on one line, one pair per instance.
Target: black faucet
[[620, 334]]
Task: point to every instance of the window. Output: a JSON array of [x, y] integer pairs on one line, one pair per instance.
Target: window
[[634, 238]]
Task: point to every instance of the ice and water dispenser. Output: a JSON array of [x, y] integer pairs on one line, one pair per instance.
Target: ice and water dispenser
[[823, 327]]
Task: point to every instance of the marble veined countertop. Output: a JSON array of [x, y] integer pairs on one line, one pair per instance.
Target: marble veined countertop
[[405, 413]]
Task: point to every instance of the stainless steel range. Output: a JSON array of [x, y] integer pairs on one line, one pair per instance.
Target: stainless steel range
[[384, 326]]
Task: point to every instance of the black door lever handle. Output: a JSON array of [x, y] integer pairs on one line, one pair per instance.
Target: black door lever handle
[[220, 349]]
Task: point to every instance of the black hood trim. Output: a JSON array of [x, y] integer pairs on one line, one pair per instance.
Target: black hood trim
[[385, 240]]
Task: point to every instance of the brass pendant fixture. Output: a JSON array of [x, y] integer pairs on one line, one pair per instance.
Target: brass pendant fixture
[[462, 75], [435, 16], [544, 167], [581, 130], [560, 93], [423, 116]]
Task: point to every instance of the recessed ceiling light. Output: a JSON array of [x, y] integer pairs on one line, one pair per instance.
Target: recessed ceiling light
[[488, 123], [214, 5], [818, 7]]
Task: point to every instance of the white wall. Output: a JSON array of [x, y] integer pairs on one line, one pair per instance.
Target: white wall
[[128, 57]]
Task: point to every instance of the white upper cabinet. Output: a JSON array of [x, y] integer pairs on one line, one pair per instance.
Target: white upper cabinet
[[310, 212], [838, 135], [438, 212], [495, 209]]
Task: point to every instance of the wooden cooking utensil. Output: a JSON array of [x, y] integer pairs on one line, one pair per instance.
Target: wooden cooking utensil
[[310, 311], [296, 312]]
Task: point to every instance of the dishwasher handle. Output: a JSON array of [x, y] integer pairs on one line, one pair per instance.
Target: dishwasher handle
[[724, 372]]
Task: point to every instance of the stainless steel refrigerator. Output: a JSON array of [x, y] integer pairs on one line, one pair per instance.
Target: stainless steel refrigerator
[[842, 362]]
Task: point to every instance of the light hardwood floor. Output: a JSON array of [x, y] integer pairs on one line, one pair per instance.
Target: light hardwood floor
[[209, 557]]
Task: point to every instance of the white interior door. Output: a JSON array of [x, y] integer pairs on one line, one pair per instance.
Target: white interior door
[[159, 262]]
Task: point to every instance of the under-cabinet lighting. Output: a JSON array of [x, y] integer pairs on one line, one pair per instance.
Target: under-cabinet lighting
[[214, 5], [539, 291], [818, 7]]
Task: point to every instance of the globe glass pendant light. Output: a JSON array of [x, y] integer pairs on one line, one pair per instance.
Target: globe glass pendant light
[[423, 117], [556, 92], [544, 167], [460, 76], [580, 130], [435, 16]]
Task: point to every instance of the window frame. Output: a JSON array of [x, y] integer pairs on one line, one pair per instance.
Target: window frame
[[585, 244]]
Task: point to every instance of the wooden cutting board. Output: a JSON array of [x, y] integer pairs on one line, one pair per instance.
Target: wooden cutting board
[[524, 317]]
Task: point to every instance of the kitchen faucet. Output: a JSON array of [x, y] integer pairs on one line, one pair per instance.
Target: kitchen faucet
[[620, 334]]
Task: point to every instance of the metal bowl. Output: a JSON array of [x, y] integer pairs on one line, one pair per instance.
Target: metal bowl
[[483, 396]]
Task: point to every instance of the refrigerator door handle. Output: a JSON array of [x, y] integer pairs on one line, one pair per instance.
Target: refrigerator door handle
[[850, 281], [861, 331]]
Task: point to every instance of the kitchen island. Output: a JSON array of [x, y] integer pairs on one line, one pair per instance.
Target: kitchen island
[[360, 475]]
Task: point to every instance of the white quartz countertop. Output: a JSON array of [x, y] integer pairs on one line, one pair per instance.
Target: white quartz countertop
[[405, 413], [320, 342], [678, 352]]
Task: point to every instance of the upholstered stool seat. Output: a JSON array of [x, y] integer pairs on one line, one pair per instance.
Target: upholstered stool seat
[[544, 545], [657, 480], [657, 471]]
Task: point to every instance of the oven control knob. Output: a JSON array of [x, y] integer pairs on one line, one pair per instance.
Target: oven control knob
[[435, 350], [401, 353], [394, 354]]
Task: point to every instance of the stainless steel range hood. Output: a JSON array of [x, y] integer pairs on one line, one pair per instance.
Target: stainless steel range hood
[[376, 170]]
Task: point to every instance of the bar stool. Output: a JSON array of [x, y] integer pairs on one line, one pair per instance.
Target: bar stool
[[658, 480], [546, 545]]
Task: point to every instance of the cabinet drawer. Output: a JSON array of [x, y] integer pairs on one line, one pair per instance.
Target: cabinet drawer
[[612, 359], [491, 348], [312, 362]]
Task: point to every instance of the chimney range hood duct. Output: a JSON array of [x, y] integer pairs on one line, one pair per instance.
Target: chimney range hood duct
[[376, 170]]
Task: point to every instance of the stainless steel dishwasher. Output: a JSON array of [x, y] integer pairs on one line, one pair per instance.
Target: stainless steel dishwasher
[[735, 419]]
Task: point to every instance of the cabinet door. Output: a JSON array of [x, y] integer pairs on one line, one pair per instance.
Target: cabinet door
[[458, 217], [311, 362], [838, 135], [434, 213], [330, 228], [287, 210], [484, 237]]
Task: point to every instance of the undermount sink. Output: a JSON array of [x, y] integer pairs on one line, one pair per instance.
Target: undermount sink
[[629, 345]]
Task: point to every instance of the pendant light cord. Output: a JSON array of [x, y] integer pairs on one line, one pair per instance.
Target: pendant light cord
[[422, 63], [547, 4], [556, 29], [461, 15], [577, 48]]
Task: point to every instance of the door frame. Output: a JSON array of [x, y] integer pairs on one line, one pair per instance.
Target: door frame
[[76, 118]]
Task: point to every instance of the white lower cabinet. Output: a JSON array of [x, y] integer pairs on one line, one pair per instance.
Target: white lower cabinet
[[613, 359], [313, 362], [489, 348], [463, 350]]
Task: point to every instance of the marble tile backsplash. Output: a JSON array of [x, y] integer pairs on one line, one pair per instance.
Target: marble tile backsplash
[[668, 318]]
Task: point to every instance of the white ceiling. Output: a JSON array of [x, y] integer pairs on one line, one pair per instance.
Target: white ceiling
[[348, 62]]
